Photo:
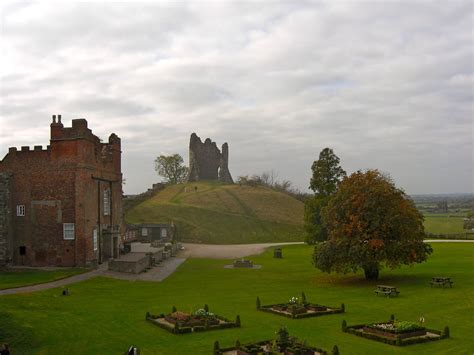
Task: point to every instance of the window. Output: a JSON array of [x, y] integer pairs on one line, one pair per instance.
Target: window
[[145, 232], [164, 233], [94, 239], [68, 231], [20, 210], [106, 202]]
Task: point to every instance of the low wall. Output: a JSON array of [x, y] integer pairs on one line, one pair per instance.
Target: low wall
[[133, 264]]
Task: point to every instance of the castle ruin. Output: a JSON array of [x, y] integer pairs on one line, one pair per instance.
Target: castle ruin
[[207, 162]]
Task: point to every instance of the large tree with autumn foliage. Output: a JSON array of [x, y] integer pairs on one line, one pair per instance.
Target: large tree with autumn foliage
[[370, 223]]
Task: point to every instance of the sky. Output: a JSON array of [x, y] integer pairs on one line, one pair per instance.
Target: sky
[[385, 84]]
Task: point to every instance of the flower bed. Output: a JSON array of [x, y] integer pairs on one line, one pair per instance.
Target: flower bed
[[182, 322], [394, 329], [299, 308], [283, 344], [396, 333]]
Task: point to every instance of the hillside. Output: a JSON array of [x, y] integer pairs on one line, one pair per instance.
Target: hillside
[[224, 214]]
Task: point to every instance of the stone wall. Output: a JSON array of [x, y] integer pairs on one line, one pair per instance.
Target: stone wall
[[206, 162], [5, 219]]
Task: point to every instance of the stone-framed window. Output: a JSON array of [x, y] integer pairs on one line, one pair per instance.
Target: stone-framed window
[[20, 210], [95, 239], [68, 231], [145, 232], [106, 201], [164, 232]]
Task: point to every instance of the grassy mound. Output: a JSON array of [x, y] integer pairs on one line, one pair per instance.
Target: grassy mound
[[224, 214]]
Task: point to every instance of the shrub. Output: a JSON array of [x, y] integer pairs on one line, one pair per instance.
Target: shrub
[[343, 307], [446, 332], [206, 308], [216, 348], [398, 341], [258, 303], [303, 297], [173, 309], [335, 350], [344, 325], [237, 344], [237, 321], [392, 317]]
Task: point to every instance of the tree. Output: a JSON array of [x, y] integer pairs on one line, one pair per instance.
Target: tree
[[326, 173], [469, 221], [326, 176], [171, 168], [370, 223]]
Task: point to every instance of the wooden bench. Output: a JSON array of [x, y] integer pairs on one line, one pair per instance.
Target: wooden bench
[[386, 291], [441, 281]]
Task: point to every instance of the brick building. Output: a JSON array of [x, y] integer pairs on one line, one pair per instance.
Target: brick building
[[62, 205]]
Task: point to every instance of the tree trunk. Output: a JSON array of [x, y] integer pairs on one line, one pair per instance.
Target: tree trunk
[[371, 272]]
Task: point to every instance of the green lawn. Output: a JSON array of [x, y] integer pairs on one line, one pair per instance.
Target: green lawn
[[105, 316], [24, 277]]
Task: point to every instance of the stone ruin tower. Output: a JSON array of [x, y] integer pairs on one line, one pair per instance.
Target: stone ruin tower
[[207, 162]]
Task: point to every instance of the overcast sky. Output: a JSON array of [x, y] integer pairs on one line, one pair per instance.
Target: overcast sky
[[386, 84]]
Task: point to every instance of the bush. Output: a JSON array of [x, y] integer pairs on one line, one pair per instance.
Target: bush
[[344, 325], [173, 309], [303, 298], [335, 350], [237, 321], [216, 348], [206, 308], [446, 332], [392, 317], [343, 307], [258, 303]]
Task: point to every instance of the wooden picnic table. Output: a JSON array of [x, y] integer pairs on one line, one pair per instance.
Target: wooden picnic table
[[386, 290], [441, 281]]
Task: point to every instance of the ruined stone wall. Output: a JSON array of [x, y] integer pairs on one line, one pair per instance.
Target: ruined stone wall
[[206, 162], [5, 219]]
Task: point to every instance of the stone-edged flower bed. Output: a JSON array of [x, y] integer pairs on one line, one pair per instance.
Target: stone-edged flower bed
[[299, 308], [394, 332], [181, 322], [283, 344], [242, 264]]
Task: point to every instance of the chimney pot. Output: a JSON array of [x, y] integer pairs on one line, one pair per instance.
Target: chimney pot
[[54, 118], [59, 118]]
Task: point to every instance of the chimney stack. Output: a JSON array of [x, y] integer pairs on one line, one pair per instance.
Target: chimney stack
[[59, 118], [54, 118]]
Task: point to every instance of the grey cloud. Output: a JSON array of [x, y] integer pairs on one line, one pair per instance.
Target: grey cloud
[[387, 85]]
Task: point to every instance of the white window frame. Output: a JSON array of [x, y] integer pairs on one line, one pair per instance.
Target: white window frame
[[163, 233], [144, 232], [106, 200], [95, 240], [69, 231], [20, 210]]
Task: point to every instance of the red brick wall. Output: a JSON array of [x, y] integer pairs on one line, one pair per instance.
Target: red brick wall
[[57, 186]]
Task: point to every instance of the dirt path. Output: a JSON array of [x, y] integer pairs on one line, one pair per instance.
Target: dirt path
[[226, 251], [53, 284]]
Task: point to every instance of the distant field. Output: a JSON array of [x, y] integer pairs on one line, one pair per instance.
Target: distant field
[[447, 223], [24, 277], [224, 214]]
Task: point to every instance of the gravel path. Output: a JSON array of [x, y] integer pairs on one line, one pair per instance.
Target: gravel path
[[213, 251]]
